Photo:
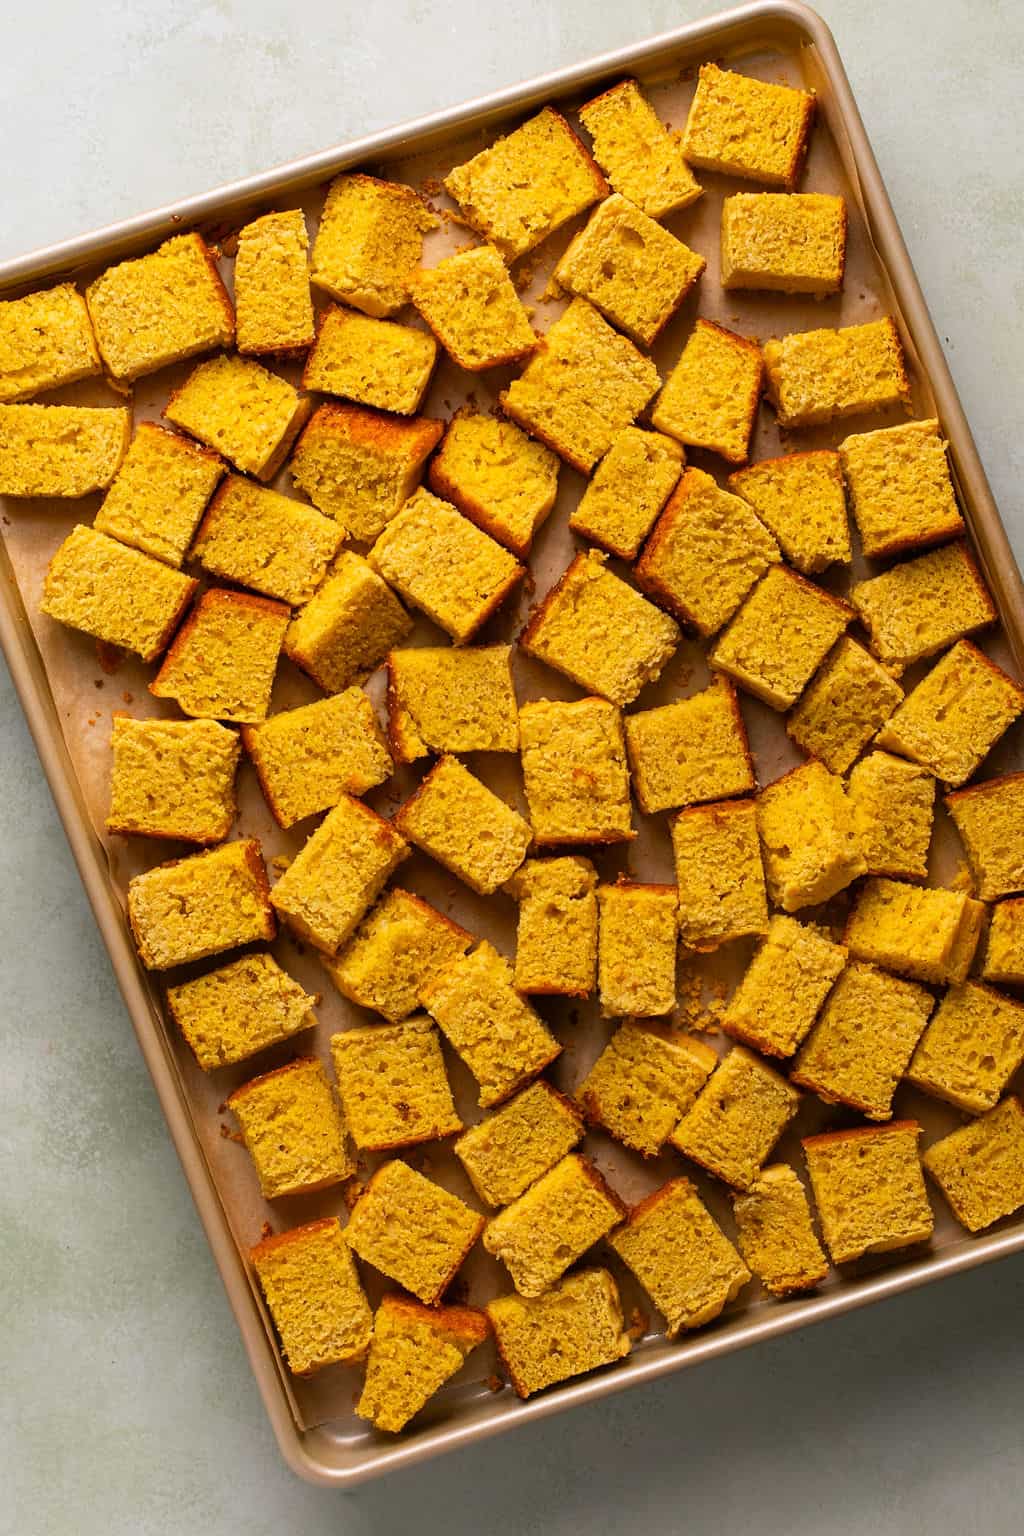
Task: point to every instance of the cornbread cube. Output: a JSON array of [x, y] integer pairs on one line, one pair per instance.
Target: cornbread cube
[[1004, 957], [814, 376], [782, 989], [392, 1085], [473, 309], [706, 552], [508, 1151], [980, 1167], [954, 717], [159, 494], [556, 940], [972, 1047], [443, 699], [862, 1044], [399, 948], [719, 873], [307, 758], [173, 778], [347, 627], [223, 659], [801, 499], [847, 701], [261, 539], [573, 1328], [465, 826], [695, 749], [710, 398], [574, 772], [61, 450], [628, 489], [442, 564], [413, 1352], [191, 908], [374, 362], [116, 594], [636, 949], [784, 242], [744, 127], [273, 308], [923, 605], [869, 1189], [928, 935], [637, 153], [737, 1118], [990, 820], [497, 476], [338, 874], [46, 341], [780, 636], [600, 632], [901, 494], [312, 1290], [293, 1130], [893, 805], [160, 308], [503, 1042], [808, 837], [582, 386], [642, 1084], [412, 1230], [681, 1256], [359, 467], [553, 1224], [776, 1238], [369, 242], [236, 406], [241, 1008]]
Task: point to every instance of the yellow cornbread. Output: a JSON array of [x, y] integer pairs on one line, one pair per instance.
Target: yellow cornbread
[[556, 939], [574, 772], [508, 1151], [293, 1130], [313, 1293], [954, 717], [501, 479], [553, 1224], [990, 820], [923, 605], [782, 989], [862, 1044], [241, 1008], [266, 541], [900, 490], [737, 1118], [980, 1167], [780, 636], [465, 826], [599, 631], [374, 362], [412, 1230], [446, 699], [246, 413], [628, 489], [893, 804], [972, 1047], [929, 935], [173, 778], [160, 308], [847, 701], [393, 1086], [116, 594], [814, 376], [719, 874], [191, 908], [869, 1189], [223, 659], [582, 386], [801, 499], [307, 758], [503, 1042], [784, 242], [395, 953], [710, 398], [158, 496], [359, 467], [1004, 957], [273, 308], [369, 242], [745, 127], [413, 1352], [642, 1084], [636, 950], [61, 450], [695, 749], [808, 837], [637, 153], [573, 1328], [46, 341], [473, 309], [348, 626], [775, 1235]]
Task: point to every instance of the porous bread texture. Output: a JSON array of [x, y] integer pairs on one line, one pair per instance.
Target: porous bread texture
[[849, 698], [309, 1280], [263, 540], [923, 605], [636, 949], [719, 874], [693, 750], [472, 307], [990, 820], [869, 1189], [637, 153], [395, 953], [801, 499], [775, 1234], [815, 376], [553, 1224], [393, 1086], [627, 491], [556, 937], [347, 627], [574, 772], [230, 1013], [711, 396], [508, 1151], [307, 758], [369, 242], [928, 935], [980, 1166], [61, 450], [293, 1130], [900, 489], [780, 636], [808, 837], [972, 1047], [46, 341], [746, 127], [159, 494], [497, 477], [191, 908], [446, 699], [784, 986], [412, 1230], [172, 778], [242, 410], [893, 804], [465, 826], [116, 594], [223, 659], [784, 242], [573, 1328], [737, 1118], [374, 362], [642, 1084], [359, 467], [413, 1352], [273, 307], [1004, 955]]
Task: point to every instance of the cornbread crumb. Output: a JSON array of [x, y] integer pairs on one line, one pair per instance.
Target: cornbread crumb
[[928, 935], [923, 605], [307, 758], [472, 307], [711, 396], [636, 949], [61, 450], [801, 499], [719, 873], [116, 594], [263, 540], [445, 699], [497, 476], [223, 659], [900, 490], [199, 906], [393, 1086], [399, 948], [465, 826], [273, 308], [695, 749], [778, 998], [637, 153], [784, 242], [808, 836], [643, 1083], [293, 1130], [553, 1224], [172, 778], [980, 1167], [989, 820], [847, 701], [230, 1013], [574, 772], [413, 1352], [347, 627], [893, 804], [972, 1047], [359, 467], [374, 362], [776, 1238], [780, 636], [159, 494], [1004, 957], [369, 242], [869, 1189], [313, 1293], [737, 1118], [815, 376], [46, 341], [628, 490], [510, 1150], [744, 127], [236, 406], [573, 1328], [556, 939], [412, 1230]]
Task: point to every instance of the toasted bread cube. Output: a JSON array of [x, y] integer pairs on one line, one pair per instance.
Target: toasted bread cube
[[173, 778], [348, 626], [574, 772], [980, 1167], [393, 1086], [737, 1118], [923, 605], [808, 837], [869, 1189], [972, 1047], [159, 494], [160, 308], [263, 540], [61, 450], [847, 701], [374, 362], [273, 307], [338, 874], [412, 1230], [637, 153], [413, 1352], [636, 949], [473, 309], [223, 659], [928, 935], [443, 699], [695, 749], [399, 948], [710, 398], [581, 387], [953, 718], [465, 826], [191, 908], [601, 633], [556, 940], [900, 490], [497, 476], [236, 406], [510, 1150], [776, 1238], [780, 636], [815, 376], [628, 490], [369, 242], [990, 820], [239, 1009], [784, 242], [573, 1328], [745, 127], [778, 998], [801, 499], [116, 594], [719, 873], [293, 1130], [893, 805], [46, 341], [1004, 956], [312, 1290], [307, 758], [359, 467], [642, 1084], [553, 1224]]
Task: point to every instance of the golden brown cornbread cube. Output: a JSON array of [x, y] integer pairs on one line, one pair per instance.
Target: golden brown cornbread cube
[[775, 1234], [637, 153], [395, 953], [815, 376], [230, 1013], [374, 362], [191, 908], [719, 874], [636, 949], [893, 805], [61, 450], [573, 1328], [263, 540], [497, 476], [473, 309], [928, 935], [359, 467], [737, 1118], [556, 938], [447, 699], [972, 1047], [348, 626], [846, 702], [710, 398], [413, 1352], [46, 341], [393, 1086], [575, 773], [222, 661], [527, 184], [808, 837], [921, 606], [899, 486], [508, 1151], [369, 242], [159, 494], [980, 1167], [118, 595], [784, 986], [307, 758], [1004, 956], [780, 636], [273, 307], [172, 778], [801, 499], [242, 410], [695, 749], [465, 826], [293, 1130], [553, 1224], [990, 820], [784, 242], [313, 1294], [412, 1230], [627, 491], [745, 127], [642, 1084], [869, 1189]]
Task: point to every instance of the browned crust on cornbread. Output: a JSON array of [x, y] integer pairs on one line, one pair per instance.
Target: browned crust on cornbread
[[254, 859], [223, 297], [456, 928], [396, 739], [665, 526], [453, 1270], [294, 1234], [501, 360], [503, 592], [820, 592], [858, 1132], [831, 1096], [477, 513], [982, 789], [658, 1197], [738, 805], [743, 343], [172, 624], [409, 194], [800, 152], [999, 672], [213, 597], [741, 728], [779, 458], [265, 1077], [371, 428], [460, 1322], [604, 840], [978, 580], [539, 610], [595, 1178], [569, 1105]]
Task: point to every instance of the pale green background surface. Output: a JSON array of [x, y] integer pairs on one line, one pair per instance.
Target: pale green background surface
[[126, 1403]]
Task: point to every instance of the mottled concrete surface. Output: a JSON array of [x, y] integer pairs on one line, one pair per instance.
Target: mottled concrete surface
[[127, 1405]]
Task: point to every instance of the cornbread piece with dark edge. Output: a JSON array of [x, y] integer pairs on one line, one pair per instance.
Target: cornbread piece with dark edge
[[636, 949], [693, 750], [990, 820], [116, 594], [293, 1130], [627, 491], [929, 935], [1004, 957], [900, 490], [816, 376], [802, 500], [971, 1049], [642, 1084], [775, 1233], [556, 938], [231, 1013], [808, 837], [778, 998], [847, 700], [637, 153], [309, 1280], [784, 242], [393, 1086], [369, 242], [307, 758], [980, 1167], [348, 627], [553, 1224], [737, 1118], [575, 773], [921, 606], [273, 307], [373, 362], [471, 305], [450, 699], [780, 636], [359, 466], [61, 450], [869, 1189], [413, 1352], [159, 494], [499, 478], [46, 341], [191, 908], [893, 805], [172, 778], [719, 873], [509, 1150], [412, 1230], [710, 398], [242, 410], [573, 1328], [263, 540], [395, 953], [222, 662], [465, 826], [745, 127]]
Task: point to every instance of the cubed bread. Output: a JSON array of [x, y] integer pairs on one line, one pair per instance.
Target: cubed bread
[[719, 874], [643, 1083], [191, 908], [801, 499], [980, 1166], [46, 341], [737, 1118], [172, 778], [990, 820], [784, 242], [775, 1233], [556, 938], [313, 1294], [497, 476], [393, 1086], [395, 953], [116, 594], [972, 1047], [923, 605], [693, 750], [293, 1129], [780, 636], [636, 949], [444, 698], [465, 826], [893, 805], [808, 837], [222, 661], [573, 1328], [348, 627], [553, 1224], [359, 466], [928, 935], [507, 1152], [412, 1230], [242, 410], [413, 1352], [369, 242], [849, 698], [374, 362], [628, 489], [263, 540], [869, 1189], [575, 773], [273, 308], [1004, 955], [711, 396], [159, 494], [61, 450], [900, 490], [815, 376], [307, 758], [472, 307], [745, 127], [637, 153], [784, 986], [230, 1013]]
